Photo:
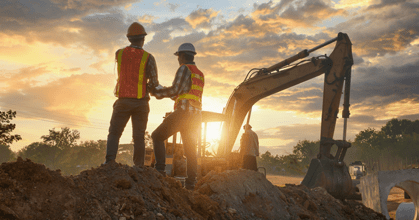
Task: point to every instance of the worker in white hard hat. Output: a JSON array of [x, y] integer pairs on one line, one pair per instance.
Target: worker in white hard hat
[[186, 90], [137, 74]]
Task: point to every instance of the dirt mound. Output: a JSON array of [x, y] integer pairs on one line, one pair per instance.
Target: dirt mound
[[250, 195], [114, 191]]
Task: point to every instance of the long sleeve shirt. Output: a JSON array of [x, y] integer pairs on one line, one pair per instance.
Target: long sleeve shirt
[[180, 85], [249, 143], [150, 72]]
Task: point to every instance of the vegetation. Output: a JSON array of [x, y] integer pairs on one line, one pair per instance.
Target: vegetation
[[393, 147], [6, 154], [59, 150], [6, 128], [295, 163]]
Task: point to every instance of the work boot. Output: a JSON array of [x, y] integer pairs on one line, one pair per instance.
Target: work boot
[[109, 162]]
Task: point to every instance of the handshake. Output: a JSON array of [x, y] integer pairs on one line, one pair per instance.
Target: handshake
[[155, 91]]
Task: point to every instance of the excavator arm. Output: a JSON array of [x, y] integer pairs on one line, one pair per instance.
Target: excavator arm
[[265, 82]]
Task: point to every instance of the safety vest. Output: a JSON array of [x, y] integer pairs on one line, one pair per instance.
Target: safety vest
[[194, 96], [131, 71]]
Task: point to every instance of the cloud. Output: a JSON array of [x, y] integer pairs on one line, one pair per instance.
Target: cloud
[[350, 4], [201, 18], [384, 37], [95, 25], [381, 85], [292, 132], [67, 100], [172, 7], [287, 14], [146, 19], [384, 28], [303, 100]]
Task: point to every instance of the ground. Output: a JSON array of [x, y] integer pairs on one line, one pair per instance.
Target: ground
[[114, 191], [394, 199]]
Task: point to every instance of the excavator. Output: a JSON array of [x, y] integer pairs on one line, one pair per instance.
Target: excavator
[[327, 170]]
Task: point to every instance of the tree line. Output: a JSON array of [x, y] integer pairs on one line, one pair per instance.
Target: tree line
[[60, 148], [397, 141], [394, 146]]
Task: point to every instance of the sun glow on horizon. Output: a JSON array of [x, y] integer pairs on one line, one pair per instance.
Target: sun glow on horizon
[[213, 135]]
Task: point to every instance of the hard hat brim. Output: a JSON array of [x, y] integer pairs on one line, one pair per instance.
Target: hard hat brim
[[187, 52], [136, 36]]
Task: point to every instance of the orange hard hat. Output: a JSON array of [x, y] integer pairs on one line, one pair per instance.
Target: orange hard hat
[[136, 29]]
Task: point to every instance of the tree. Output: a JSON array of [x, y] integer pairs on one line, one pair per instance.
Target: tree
[[305, 151], [6, 154], [395, 129], [6, 128], [60, 143], [62, 139], [40, 152], [83, 156], [394, 143]]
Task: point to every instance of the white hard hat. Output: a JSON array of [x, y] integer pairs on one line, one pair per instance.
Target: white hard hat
[[188, 48]]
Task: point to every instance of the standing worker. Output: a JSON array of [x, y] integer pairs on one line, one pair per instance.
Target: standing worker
[[186, 91], [137, 74], [249, 148]]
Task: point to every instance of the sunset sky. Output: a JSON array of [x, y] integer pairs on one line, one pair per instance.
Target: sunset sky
[[57, 66]]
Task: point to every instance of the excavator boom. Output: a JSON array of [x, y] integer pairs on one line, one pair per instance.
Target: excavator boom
[[269, 81], [326, 171]]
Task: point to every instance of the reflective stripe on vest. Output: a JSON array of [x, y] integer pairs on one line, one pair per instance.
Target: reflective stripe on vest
[[131, 69], [194, 96]]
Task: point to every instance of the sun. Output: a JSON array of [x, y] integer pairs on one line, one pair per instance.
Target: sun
[[213, 135]]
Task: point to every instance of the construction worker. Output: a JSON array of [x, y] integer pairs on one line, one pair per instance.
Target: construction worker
[[137, 74], [249, 148], [186, 91]]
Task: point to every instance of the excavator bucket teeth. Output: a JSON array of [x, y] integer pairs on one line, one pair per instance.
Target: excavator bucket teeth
[[332, 177]]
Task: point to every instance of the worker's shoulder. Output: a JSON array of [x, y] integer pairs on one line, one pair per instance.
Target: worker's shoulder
[[117, 51], [183, 68], [150, 56]]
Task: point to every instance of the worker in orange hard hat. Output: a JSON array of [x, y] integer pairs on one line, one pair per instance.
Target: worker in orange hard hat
[[137, 75], [136, 30], [186, 90]]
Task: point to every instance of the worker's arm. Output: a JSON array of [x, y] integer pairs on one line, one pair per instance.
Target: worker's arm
[[180, 85], [152, 74]]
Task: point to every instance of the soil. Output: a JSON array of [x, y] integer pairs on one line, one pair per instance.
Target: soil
[[115, 191], [395, 198]]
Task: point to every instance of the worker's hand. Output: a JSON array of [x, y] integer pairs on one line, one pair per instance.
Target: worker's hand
[[159, 87], [155, 91]]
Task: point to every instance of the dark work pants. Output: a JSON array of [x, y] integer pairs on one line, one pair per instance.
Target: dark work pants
[[188, 124], [249, 162], [123, 110]]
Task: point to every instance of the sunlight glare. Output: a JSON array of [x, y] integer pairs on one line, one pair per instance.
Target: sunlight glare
[[213, 135]]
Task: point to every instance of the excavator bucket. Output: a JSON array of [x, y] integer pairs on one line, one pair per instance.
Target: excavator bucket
[[334, 178], [331, 173]]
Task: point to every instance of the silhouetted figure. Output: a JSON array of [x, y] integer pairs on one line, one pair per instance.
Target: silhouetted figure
[[249, 148]]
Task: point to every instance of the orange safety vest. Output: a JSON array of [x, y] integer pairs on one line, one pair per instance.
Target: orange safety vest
[[194, 96], [131, 71]]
